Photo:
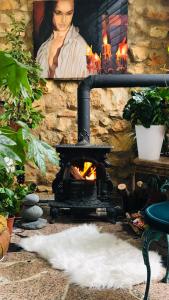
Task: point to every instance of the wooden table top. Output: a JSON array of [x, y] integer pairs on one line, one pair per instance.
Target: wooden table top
[[160, 166]]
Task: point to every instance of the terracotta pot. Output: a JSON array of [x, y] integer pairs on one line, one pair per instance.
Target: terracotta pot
[[10, 223], [4, 242]]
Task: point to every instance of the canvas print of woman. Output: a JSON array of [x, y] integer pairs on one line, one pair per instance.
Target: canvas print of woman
[[62, 53]]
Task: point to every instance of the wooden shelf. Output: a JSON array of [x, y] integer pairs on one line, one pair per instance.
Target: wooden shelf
[[155, 167], [152, 166]]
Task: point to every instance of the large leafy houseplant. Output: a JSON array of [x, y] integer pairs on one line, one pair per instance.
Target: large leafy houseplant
[[16, 148], [11, 192], [148, 112], [20, 86], [149, 106], [20, 103]]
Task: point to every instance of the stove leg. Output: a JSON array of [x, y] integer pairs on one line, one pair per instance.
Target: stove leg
[[54, 212], [111, 215], [114, 213]]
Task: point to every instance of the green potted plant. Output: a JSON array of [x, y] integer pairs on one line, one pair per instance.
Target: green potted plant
[[17, 148], [11, 193], [21, 86], [7, 176], [17, 66], [148, 112]]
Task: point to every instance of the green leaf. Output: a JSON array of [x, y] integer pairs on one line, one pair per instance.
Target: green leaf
[[7, 191], [8, 131], [2, 163], [6, 141], [14, 74], [38, 151], [50, 152], [17, 144], [35, 154], [6, 151]]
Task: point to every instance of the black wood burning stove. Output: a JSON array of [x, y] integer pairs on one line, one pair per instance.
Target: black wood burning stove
[[83, 181]]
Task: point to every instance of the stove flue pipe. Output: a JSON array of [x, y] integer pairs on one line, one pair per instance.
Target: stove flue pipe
[[107, 81]]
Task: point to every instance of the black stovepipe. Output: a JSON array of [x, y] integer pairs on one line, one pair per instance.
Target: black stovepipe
[[105, 81]]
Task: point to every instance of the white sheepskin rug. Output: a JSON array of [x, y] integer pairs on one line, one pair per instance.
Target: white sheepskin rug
[[94, 259]]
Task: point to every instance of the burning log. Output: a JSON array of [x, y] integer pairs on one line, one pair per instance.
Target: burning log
[[88, 172], [75, 173]]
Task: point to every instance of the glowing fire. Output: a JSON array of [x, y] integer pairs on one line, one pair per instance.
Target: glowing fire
[[89, 51], [106, 48], [118, 53], [92, 174], [105, 40], [96, 56], [122, 50], [88, 172]]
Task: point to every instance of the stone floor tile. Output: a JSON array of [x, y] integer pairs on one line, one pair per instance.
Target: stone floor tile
[[158, 291], [43, 286], [77, 293]]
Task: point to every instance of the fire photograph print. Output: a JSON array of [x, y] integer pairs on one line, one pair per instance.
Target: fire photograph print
[[77, 38]]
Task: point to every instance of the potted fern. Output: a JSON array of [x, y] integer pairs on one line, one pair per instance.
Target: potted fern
[[148, 112]]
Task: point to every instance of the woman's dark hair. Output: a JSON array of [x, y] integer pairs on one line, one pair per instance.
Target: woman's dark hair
[[46, 26]]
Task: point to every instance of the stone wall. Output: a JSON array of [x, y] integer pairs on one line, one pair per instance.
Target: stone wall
[[148, 35], [147, 39]]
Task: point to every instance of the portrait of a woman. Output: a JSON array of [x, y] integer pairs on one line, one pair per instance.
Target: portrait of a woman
[[62, 51]]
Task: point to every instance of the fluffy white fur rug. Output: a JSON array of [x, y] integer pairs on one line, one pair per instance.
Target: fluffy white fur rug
[[94, 259]]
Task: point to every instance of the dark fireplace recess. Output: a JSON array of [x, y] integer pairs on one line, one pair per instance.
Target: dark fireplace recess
[[83, 182]]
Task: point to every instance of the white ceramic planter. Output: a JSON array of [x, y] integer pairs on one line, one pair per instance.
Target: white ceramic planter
[[149, 141]]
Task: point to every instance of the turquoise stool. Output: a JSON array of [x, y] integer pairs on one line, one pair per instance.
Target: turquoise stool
[[157, 217]]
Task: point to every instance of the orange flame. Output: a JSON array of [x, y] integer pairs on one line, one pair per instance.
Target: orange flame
[[87, 165], [118, 53], [88, 172], [96, 56], [122, 49], [92, 175], [89, 51], [105, 39]]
